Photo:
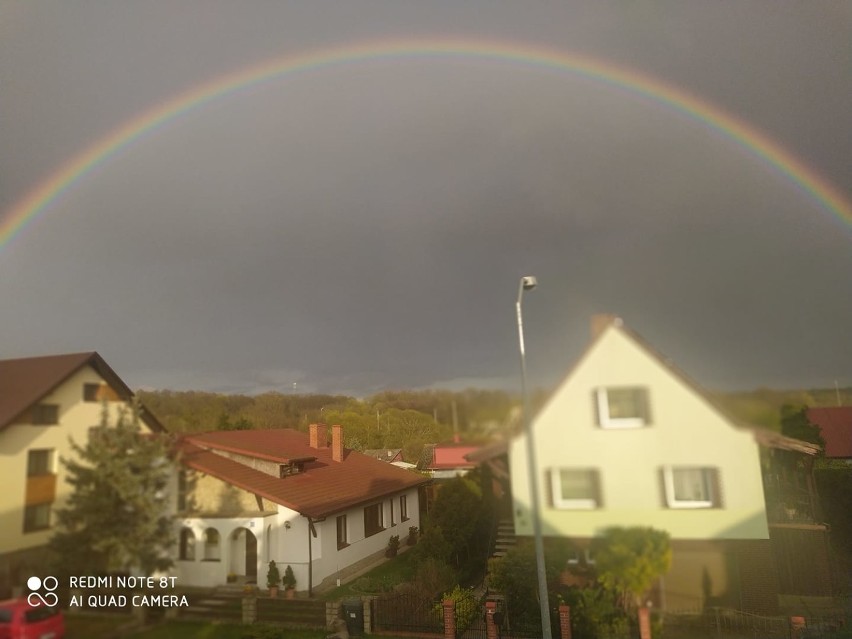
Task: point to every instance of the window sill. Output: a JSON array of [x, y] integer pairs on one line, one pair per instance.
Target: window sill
[[692, 505], [575, 506], [342, 546]]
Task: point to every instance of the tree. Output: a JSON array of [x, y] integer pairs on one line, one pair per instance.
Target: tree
[[628, 560], [116, 519], [457, 529], [795, 423]]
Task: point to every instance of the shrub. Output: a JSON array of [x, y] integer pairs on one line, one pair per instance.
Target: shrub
[[289, 578], [273, 576], [467, 606], [393, 546], [433, 576]]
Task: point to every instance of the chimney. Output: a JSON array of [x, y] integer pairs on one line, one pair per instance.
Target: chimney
[[319, 436], [600, 322], [337, 443]]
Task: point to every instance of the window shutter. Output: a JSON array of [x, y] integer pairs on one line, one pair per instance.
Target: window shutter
[[716, 487]]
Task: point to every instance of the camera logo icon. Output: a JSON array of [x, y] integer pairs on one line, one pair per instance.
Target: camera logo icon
[[35, 598]]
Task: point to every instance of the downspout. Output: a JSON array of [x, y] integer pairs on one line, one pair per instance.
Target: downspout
[[310, 559], [312, 532]]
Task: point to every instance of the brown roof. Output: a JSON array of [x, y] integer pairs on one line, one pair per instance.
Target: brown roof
[[324, 488], [24, 382], [835, 424]]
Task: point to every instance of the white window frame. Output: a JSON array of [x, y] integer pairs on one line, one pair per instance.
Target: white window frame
[[586, 554], [673, 502], [571, 504], [605, 421]]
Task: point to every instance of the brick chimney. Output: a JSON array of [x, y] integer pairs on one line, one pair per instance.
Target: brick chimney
[[337, 443], [319, 435], [600, 322]]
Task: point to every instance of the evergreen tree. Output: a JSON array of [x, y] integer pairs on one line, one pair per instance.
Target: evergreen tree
[[117, 518]]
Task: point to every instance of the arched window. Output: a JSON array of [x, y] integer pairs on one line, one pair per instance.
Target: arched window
[[211, 544], [187, 544]]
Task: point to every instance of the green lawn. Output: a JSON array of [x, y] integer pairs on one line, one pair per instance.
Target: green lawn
[[201, 630], [390, 573], [83, 626]]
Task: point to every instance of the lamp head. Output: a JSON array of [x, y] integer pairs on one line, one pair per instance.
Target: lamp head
[[529, 282]]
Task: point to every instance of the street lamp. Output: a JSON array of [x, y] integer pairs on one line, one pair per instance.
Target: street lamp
[[528, 283]]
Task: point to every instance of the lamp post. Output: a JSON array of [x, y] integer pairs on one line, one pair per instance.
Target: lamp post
[[528, 283]]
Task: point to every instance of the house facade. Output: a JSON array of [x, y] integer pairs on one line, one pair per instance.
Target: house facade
[[246, 498], [44, 402], [628, 440]]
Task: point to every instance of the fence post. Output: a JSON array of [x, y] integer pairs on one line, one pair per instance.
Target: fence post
[[250, 609], [644, 623], [449, 619], [368, 614], [797, 624], [490, 626], [565, 621]]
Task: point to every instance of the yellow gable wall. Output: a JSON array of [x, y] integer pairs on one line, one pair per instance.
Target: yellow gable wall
[[75, 419], [684, 431], [212, 496]]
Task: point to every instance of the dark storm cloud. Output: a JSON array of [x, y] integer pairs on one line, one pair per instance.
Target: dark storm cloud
[[364, 226]]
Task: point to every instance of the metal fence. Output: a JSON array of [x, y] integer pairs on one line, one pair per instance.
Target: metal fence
[[407, 612], [727, 623]]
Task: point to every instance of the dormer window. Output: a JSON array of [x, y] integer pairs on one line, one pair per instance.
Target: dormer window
[[622, 407], [293, 468]]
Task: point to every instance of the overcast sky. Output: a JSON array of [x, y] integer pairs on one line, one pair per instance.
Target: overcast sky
[[363, 226]]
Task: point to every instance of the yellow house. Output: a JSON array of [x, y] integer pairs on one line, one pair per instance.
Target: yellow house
[[44, 402], [628, 440]]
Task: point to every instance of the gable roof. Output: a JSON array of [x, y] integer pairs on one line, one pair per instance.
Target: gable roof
[[835, 424], [24, 382], [600, 325], [324, 487]]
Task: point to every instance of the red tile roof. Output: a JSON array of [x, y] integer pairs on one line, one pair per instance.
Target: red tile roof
[[324, 488], [448, 456], [23, 382], [835, 422]]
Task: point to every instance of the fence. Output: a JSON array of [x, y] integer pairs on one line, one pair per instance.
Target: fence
[[407, 612], [727, 623]]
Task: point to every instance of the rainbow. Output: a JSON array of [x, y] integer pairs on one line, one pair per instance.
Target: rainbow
[[747, 136]]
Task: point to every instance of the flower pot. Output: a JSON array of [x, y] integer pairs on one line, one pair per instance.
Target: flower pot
[[290, 593], [273, 592]]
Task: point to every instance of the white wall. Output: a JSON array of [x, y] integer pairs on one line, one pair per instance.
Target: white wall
[[684, 431], [289, 546]]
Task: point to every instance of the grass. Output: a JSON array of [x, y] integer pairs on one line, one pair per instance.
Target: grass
[[390, 573], [202, 630], [87, 626]]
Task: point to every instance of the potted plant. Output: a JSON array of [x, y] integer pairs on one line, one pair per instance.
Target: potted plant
[[273, 578], [289, 581], [393, 546], [231, 578], [412, 536]]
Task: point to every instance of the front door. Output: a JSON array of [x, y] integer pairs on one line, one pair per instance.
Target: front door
[[251, 556]]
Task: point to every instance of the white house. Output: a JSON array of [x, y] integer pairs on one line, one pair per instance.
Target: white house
[[628, 440], [248, 497], [44, 402]]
